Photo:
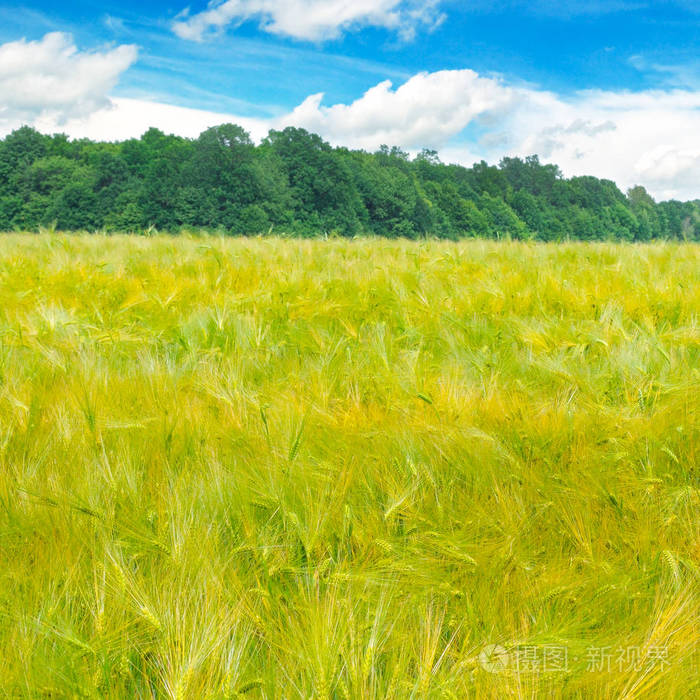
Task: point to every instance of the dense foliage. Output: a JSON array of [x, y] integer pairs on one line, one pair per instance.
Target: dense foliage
[[296, 183]]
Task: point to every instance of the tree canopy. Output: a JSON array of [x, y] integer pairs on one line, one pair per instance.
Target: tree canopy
[[296, 183]]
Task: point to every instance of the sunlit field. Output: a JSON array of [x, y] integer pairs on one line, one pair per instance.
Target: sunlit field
[[267, 468]]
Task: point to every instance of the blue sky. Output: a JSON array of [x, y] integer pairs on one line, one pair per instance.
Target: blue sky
[[604, 88]]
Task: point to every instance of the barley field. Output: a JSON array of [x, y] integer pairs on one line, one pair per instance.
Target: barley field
[[269, 468]]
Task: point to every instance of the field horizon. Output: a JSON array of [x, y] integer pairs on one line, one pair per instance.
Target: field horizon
[[290, 468]]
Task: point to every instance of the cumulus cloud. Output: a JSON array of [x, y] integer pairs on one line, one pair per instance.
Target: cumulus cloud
[[50, 79], [649, 138], [426, 111], [668, 169], [125, 118], [311, 20]]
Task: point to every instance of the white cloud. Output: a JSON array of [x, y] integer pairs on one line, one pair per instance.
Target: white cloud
[[672, 172], [426, 111], [648, 138], [50, 79], [311, 20], [125, 118]]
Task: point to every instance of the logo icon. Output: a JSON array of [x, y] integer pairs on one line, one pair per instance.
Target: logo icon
[[494, 658]]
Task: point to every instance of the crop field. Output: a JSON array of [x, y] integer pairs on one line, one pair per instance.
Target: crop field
[[270, 468]]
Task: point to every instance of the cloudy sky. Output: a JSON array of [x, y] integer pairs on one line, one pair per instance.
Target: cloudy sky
[[601, 87]]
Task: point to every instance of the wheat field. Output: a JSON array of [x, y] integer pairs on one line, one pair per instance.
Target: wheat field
[[269, 468]]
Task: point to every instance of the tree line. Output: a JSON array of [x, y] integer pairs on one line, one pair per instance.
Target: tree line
[[295, 183]]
